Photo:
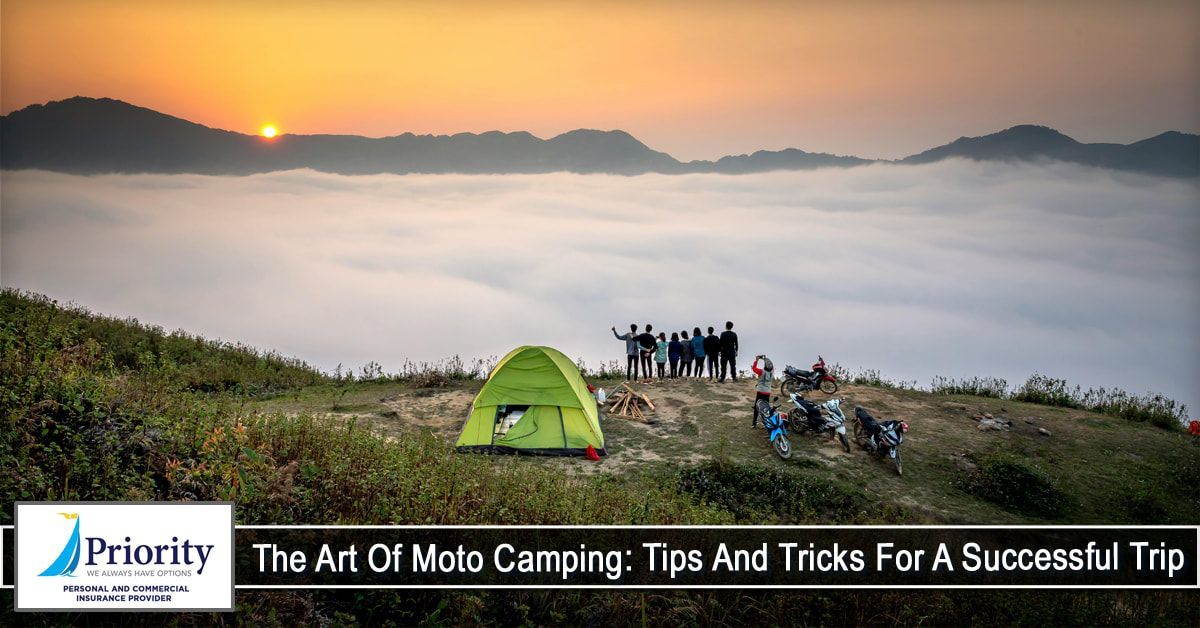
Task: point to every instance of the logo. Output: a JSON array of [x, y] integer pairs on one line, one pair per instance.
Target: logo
[[68, 558], [162, 556]]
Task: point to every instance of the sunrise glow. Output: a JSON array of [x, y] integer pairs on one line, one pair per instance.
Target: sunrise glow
[[268, 131], [863, 78]]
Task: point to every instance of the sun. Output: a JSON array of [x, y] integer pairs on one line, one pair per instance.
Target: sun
[[268, 131]]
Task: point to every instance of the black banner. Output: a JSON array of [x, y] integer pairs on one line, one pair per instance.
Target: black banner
[[751, 556]]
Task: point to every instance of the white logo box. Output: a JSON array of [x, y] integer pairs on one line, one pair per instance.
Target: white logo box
[[75, 556]]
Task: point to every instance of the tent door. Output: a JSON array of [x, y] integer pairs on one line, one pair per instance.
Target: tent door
[[506, 418]]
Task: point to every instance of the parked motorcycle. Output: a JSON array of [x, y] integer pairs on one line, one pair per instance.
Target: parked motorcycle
[[799, 380], [823, 418], [776, 424], [880, 437]]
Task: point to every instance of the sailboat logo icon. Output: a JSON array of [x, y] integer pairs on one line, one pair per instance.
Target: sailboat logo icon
[[68, 559]]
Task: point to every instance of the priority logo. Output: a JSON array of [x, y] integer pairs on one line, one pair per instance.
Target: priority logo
[[124, 556], [68, 558]]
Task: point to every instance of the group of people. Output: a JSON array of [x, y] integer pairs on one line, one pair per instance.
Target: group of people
[[685, 354], [688, 355]]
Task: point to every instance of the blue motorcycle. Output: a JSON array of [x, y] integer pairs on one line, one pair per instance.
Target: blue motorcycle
[[776, 424]]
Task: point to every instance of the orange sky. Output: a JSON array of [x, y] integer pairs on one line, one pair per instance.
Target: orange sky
[[698, 80]]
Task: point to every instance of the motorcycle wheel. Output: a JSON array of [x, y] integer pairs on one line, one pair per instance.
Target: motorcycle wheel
[[828, 387], [858, 435], [845, 442], [899, 465], [790, 385], [783, 447]]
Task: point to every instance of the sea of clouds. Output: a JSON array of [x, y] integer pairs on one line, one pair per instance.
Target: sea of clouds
[[957, 268]]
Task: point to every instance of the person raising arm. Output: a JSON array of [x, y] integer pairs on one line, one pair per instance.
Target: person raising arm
[[762, 389], [631, 351]]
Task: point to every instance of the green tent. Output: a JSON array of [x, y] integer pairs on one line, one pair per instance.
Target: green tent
[[534, 402]]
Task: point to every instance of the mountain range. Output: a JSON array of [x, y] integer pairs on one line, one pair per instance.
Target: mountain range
[[101, 135]]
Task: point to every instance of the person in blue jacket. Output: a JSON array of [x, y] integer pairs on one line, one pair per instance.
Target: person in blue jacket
[[698, 351], [674, 353]]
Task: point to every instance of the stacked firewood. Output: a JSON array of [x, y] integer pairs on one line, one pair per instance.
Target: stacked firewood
[[628, 403]]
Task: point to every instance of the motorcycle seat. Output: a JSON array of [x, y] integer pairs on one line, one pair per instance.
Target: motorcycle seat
[[869, 423]]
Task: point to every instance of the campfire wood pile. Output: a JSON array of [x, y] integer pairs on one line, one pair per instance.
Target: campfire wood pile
[[627, 403]]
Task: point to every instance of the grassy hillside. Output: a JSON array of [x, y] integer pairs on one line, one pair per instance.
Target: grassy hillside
[[1093, 468], [96, 408]]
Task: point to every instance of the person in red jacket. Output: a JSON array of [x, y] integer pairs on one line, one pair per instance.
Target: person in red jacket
[[762, 389]]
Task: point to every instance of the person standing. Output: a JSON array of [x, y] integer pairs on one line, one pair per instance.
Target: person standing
[[698, 351], [631, 351], [762, 389], [675, 353], [712, 348], [674, 349], [660, 355], [647, 344], [729, 349], [686, 355]]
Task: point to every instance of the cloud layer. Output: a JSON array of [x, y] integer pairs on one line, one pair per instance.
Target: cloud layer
[[956, 268]]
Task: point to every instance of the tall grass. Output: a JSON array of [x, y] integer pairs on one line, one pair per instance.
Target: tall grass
[[33, 323], [1152, 408], [993, 387], [423, 374], [869, 377], [1149, 408]]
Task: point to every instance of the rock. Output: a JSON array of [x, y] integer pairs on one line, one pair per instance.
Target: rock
[[988, 416], [964, 465], [992, 424], [1043, 431], [1029, 421]]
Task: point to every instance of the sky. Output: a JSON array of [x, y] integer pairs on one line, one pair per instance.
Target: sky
[[695, 79], [956, 268]]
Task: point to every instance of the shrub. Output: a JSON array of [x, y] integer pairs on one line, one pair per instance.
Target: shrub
[[763, 494], [1048, 391], [1013, 484]]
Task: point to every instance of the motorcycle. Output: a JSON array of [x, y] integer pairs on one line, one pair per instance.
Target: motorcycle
[[776, 424], [882, 438], [809, 417], [799, 380]]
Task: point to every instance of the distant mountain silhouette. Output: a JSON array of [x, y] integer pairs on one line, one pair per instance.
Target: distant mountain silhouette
[[765, 160], [101, 135], [1169, 154]]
